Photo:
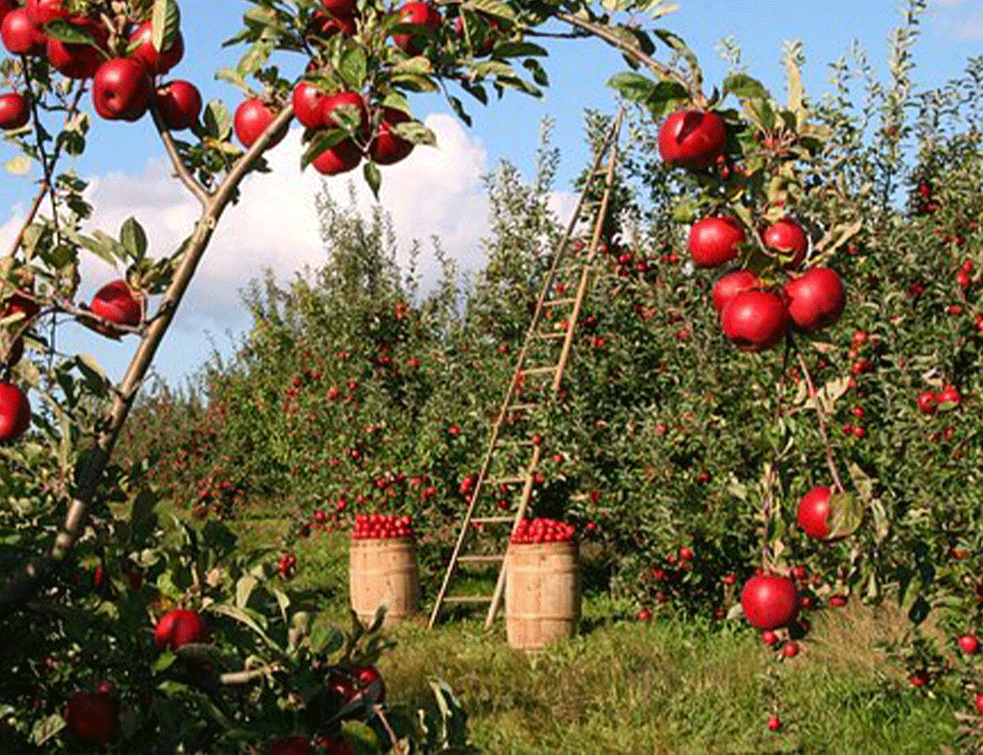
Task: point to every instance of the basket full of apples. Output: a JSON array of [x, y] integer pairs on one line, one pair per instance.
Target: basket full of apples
[[542, 588], [383, 567]]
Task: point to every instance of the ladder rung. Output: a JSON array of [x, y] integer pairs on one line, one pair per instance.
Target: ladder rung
[[555, 334], [558, 302], [493, 519], [541, 370], [506, 480], [468, 599], [522, 407], [480, 559]]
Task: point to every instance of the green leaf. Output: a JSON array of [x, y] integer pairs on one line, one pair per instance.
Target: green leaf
[[846, 514], [744, 86], [134, 239], [243, 617], [373, 177], [166, 21], [494, 8], [65, 31], [218, 121], [353, 68], [632, 86], [244, 589]]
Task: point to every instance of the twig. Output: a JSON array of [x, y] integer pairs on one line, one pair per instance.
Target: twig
[[245, 677], [602, 32], [397, 747], [180, 168], [830, 461]]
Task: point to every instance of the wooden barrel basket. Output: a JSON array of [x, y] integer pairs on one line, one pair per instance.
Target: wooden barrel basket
[[542, 594], [384, 570]]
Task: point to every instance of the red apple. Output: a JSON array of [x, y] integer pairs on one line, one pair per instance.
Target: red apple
[[117, 303], [969, 644], [15, 412], [979, 703], [15, 111], [43, 12], [813, 513], [79, 61], [180, 627], [327, 25], [308, 101], [179, 104], [92, 717], [417, 14], [296, 745], [341, 158], [928, 401], [353, 100], [755, 320], [692, 138], [769, 602], [153, 60], [340, 8], [121, 90], [815, 299], [787, 237], [20, 36], [950, 395], [23, 303], [715, 241], [386, 148], [731, 284], [251, 120]]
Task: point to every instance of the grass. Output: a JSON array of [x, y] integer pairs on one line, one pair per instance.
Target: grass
[[666, 686]]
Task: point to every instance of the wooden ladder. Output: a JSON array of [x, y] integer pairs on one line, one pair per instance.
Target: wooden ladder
[[533, 365]]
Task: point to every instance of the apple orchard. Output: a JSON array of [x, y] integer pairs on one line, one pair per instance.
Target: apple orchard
[[771, 410]]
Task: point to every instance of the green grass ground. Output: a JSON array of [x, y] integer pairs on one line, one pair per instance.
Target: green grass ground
[[667, 686]]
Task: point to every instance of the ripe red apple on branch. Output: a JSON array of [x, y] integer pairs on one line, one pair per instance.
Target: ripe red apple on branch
[[692, 138], [118, 304], [731, 284], [789, 239], [92, 718], [387, 148], [755, 320], [252, 118], [121, 90], [156, 61], [179, 104], [76, 60], [769, 602], [180, 627], [15, 412], [20, 36], [416, 14], [15, 111], [816, 299], [715, 241]]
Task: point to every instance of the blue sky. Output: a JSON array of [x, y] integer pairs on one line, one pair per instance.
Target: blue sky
[[440, 192]]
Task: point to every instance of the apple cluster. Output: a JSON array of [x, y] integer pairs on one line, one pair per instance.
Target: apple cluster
[[369, 526], [123, 67], [542, 531], [321, 107], [754, 314]]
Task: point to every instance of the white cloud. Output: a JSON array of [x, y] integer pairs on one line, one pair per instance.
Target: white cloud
[[435, 191]]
